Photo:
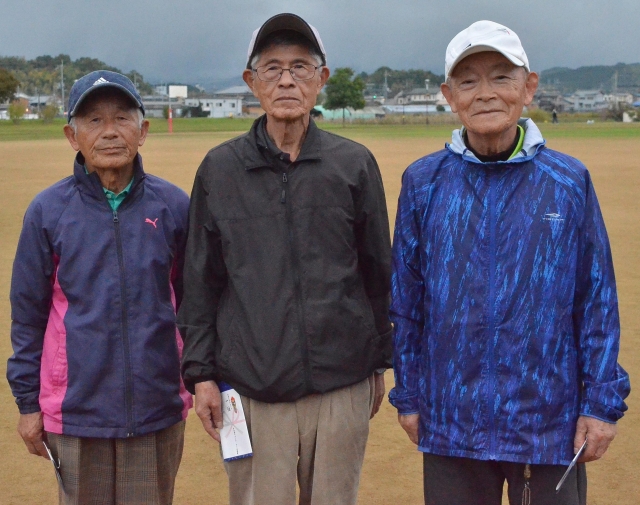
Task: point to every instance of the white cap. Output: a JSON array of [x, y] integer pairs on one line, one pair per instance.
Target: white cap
[[485, 36], [286, 21]]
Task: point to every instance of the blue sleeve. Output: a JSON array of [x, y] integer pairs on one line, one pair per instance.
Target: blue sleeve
[[31, 292], [407, 302], [596, 320]]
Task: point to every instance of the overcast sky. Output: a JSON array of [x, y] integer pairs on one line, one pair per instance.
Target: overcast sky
[[205, 41]]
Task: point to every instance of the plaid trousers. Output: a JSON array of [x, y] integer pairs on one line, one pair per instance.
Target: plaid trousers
[[117, 471]]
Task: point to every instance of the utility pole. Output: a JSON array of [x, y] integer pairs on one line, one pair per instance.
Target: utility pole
[[385, 86], [62, 84], [426, 107]]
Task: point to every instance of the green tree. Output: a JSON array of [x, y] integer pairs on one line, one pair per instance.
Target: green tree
[[42, 74], [343, 90], [16, 111], [8, 85], [48, 113]]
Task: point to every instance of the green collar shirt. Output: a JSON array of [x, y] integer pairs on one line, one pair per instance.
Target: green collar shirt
[[113, 199]]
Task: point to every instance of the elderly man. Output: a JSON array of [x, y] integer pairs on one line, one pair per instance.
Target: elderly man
[[287, 279], [503, 297], [96, 282]]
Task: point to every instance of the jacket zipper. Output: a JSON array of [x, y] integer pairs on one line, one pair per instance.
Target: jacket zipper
[[296, 273], [128, 380], [283, 197], [492, 300]]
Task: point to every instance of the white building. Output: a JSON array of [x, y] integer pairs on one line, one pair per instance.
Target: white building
[[587, 101], [418, 96], [218, 106], [613, 99], [172, 90]]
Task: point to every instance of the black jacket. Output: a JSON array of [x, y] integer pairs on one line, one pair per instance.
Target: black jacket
[[287, 268]]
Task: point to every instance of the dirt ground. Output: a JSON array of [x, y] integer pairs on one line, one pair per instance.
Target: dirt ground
[[392, 469]]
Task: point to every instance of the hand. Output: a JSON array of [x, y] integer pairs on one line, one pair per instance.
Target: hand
[[410, 424], [378, 395], [598, 434], [209, 407], [31, 429]]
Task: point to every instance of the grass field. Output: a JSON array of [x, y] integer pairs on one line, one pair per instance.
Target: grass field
[[37, 130], [33, 157]]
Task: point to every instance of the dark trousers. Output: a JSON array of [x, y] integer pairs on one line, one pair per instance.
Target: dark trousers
[[465, 481]]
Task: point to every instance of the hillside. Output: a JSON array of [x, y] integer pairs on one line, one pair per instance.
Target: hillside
[[568, 80], [42, 74]]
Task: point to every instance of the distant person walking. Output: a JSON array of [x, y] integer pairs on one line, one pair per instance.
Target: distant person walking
[[97, 279], [503, 297], [554, 115]]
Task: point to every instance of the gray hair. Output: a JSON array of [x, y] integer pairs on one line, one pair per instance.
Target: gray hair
[[73, 124], [286, 38]]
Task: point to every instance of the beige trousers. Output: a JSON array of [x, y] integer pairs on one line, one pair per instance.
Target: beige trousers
[[119, 471], [318, 441]]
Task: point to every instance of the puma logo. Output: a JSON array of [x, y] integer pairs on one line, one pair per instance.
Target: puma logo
[[151, 222]]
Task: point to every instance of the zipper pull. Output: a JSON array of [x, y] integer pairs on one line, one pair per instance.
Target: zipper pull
[[115, 217], [283, 198]]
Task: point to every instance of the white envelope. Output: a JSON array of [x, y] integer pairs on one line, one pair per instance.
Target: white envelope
[[234, 436]]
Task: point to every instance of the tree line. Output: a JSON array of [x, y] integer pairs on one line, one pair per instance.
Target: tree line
[[42, 75], [398, 80]]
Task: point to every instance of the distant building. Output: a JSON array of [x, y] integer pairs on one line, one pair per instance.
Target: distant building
[[613, 99], [587, 101], [549, 100], [155, 105], [250, 104], [416, 109], [418, 96], [172, 90], [217, 106], [350, 114]]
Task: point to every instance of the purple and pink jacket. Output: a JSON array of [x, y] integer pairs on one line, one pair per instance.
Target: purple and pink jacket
[[94, 295]]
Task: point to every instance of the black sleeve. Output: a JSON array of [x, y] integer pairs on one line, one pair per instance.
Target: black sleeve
[[205, 278], [374, 249]]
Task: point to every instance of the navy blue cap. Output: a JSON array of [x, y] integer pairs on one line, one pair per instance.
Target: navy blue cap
[[86, 85]]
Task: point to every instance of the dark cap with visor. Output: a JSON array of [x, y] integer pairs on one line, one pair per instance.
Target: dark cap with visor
[[99, 79], [285, 22]]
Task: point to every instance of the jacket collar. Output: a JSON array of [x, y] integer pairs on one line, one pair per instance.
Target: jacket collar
[[256, 149], [533, 142], [91, 184]]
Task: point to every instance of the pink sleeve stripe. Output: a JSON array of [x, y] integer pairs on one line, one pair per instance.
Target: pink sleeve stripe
[[54, 370]]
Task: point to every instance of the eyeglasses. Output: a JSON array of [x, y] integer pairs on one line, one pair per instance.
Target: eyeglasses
[[272, 73]]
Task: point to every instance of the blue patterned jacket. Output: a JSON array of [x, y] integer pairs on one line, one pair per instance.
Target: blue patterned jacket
[[504, 304]]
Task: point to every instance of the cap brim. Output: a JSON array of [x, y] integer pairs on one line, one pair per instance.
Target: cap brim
[[100, 86], [479, 49], [285, 22]]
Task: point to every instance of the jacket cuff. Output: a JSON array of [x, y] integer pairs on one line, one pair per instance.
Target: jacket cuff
[[28, 407], [190, 382], [605, 400], [405, 403], [600, 411]]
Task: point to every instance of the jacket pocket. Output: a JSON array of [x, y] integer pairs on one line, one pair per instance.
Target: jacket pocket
[[59, 370]]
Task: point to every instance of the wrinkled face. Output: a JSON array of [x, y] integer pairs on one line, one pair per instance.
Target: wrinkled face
[[108, 132], [286, 99], [489, 92]]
